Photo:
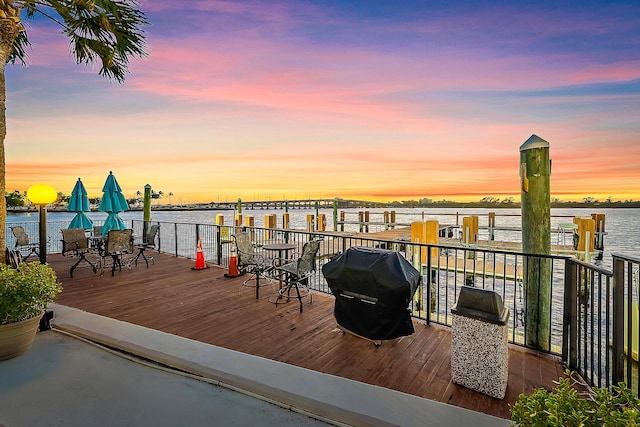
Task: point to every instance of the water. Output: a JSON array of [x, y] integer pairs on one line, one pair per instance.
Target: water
[[622, 225]]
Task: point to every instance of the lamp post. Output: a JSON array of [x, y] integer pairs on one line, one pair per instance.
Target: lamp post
[[42, 195]]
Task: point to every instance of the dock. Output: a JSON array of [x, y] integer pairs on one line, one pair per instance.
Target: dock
[[206, 306]]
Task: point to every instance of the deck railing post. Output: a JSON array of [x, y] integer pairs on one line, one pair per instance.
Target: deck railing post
[[618, 320], [175, 237], [427, 306], [570, 315], [218, 230]]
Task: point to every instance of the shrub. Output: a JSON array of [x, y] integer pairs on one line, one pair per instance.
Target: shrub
[[26, 290], [567, 408]]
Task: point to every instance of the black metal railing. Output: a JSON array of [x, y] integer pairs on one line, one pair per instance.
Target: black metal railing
[[588, 315]]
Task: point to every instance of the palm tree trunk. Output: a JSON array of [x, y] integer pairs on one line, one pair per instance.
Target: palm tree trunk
[[9, 30]]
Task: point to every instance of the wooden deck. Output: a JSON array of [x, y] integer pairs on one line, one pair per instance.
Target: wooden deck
[[206, 306]]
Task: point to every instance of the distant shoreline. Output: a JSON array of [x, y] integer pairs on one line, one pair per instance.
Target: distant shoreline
[[200, 207]]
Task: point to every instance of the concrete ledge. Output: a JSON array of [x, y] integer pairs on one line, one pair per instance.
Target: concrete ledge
[[332, 397]]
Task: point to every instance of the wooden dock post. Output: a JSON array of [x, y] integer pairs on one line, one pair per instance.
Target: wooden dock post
[[470, 230], [418, 233], [426, 233], [432, 235], [366, 221], [310, 219], [392, 217], [535, 171], [269, 222], [239, 216], [586, 233], [335, 215], [249, 222], [599, 237], [322, 222], [341, 220], [385, 215], [492, 225], [285, 226]]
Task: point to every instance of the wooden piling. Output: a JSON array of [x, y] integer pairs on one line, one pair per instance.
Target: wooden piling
[[322, 222], [269, 223], [535, 171], [492, 225], [238, 222], [586, 233], [599, 236], [249, 222], [470, 230]]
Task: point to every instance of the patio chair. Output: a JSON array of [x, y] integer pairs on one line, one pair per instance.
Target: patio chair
[[296, 273], [249, 261], [75, 243], [14, 257], [149, 242], [119, 243], [23, 243]]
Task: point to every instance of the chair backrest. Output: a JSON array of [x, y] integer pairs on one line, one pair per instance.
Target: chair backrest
[[74, 239], [151, 235], [119, 242], [14, 257], [307, 261], [245, 248], [22, 238]]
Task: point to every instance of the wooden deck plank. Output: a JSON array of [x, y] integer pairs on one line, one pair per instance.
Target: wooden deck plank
[[206, 306]]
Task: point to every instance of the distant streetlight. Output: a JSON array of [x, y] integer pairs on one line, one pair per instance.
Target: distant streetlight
[[42, 195]]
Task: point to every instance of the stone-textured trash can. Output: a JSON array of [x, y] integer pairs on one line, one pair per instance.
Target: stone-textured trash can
[[479, 352]]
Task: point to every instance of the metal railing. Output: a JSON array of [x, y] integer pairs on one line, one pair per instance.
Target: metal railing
[[588, 316]]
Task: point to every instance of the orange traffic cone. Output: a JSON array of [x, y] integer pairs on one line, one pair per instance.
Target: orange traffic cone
[[200, 264], [233, 262]]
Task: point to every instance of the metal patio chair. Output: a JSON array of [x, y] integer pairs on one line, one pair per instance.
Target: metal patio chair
[[76, 243], [23, 242], [119, 243], [149, 242], [250, 261], [297, 273]]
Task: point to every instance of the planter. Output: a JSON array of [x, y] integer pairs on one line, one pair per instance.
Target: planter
[[16, 338]]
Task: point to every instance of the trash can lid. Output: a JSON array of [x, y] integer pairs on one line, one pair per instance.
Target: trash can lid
[[481, 304]]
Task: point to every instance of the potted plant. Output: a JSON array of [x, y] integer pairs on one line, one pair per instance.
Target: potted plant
[[24, 294], [566, 406]]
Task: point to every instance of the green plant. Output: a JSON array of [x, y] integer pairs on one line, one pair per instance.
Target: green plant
[[567, 407], [26, 290]]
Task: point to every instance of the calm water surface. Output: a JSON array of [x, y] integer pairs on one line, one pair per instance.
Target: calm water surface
[[622, 225]]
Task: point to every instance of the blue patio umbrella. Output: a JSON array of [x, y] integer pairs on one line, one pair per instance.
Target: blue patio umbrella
[[79, 203], [112, 202]]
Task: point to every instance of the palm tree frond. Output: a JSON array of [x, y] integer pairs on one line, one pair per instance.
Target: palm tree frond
[[108, 32], [19, 52]]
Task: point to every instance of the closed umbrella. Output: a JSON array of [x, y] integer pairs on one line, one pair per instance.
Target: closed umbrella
[[79, 203], [112, 202]]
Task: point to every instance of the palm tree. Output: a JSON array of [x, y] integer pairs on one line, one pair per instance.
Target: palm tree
[[105, 31]]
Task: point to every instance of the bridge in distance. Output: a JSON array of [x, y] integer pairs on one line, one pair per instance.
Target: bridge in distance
[[290, 204]]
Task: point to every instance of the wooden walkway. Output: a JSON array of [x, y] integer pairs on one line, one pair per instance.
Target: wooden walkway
[[206, 306]]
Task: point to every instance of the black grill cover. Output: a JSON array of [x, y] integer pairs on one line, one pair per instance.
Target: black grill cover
[[373, 289]]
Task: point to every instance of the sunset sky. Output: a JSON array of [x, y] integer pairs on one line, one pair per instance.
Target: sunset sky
[[383, 100]]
